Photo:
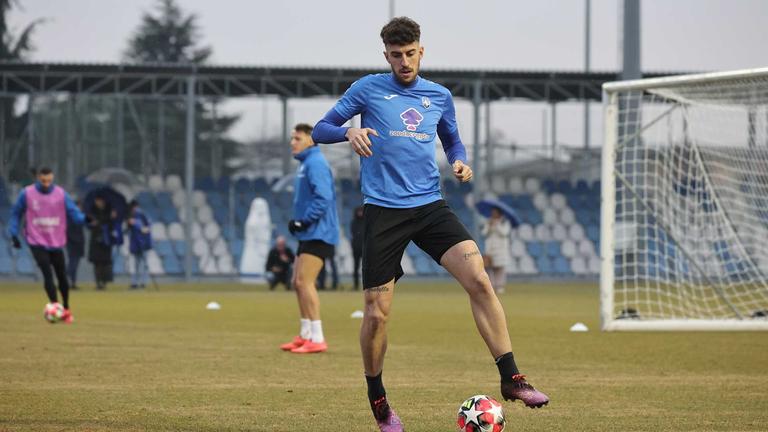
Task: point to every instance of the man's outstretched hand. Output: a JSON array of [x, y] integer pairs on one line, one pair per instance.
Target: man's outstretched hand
[[462, 172]]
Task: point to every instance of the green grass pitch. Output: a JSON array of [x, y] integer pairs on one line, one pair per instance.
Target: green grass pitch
[[158, 361]]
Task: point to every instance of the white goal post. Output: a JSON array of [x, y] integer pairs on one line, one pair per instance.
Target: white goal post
[[684, 215]]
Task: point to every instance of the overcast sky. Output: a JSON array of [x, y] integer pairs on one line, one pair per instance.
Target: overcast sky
[[677, 35]]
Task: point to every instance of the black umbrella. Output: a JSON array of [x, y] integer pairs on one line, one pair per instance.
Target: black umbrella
[[113, 198]]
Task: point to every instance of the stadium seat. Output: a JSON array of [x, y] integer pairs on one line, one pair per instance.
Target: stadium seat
[[541, 200], [6, 265], [158, 231], [549, 216], [558, 201], [535, 249], [586, 248], [594, 265], [516, 185], [204, 214], [561, 266], [542, 233], [559, 232], [566, 216], [517, 248], [552, 249], [579, 266], [525, 232], [155, 183], [163, 248], [180, 247], [544, 264], [173, 183], [531, 185], [172, 265], [526, 265], [568, 249]]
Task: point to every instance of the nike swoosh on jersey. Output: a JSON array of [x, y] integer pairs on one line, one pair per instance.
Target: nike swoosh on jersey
[[390, 96]]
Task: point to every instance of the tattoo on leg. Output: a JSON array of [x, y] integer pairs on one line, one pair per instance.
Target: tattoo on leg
[[381, 288], [469, 255]]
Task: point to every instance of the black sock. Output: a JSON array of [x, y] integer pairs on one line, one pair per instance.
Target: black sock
[[375, 387], [507, 366]]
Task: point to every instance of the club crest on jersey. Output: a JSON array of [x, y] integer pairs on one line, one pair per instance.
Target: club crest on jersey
[[412, 118], [425, 102]]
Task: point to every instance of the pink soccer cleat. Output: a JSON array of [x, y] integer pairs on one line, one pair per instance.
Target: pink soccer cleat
[[67, 318], [518, 388], [295, 343], [386, 418]]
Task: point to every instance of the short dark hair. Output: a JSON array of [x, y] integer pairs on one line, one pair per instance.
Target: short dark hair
[[303, 127], [44, 170], [400, 31], [133, 204]]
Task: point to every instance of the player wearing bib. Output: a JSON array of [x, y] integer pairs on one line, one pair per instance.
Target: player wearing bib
[[402, 115], [45, 208]]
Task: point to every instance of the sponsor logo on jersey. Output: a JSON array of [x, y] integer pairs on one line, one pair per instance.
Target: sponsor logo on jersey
[[412, 118], [46, 221]]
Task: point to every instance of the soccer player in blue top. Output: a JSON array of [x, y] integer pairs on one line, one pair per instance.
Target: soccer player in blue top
[[402, 114], [316, 226]]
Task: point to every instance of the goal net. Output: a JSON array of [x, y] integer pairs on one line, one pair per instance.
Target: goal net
[[684, 222]]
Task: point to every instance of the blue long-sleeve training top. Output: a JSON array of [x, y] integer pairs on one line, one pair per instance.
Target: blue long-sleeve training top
[[314, 199], [402, 172]]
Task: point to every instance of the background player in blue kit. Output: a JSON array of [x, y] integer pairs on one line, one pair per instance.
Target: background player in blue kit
[[402, 115]]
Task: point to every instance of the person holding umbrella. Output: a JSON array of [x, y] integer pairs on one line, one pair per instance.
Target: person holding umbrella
[[496, 230]]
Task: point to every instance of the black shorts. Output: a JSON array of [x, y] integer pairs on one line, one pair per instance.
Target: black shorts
[[433, 227], [317, 248]]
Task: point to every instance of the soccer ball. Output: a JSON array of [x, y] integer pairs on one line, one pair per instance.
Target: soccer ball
[[481, 413], [53, 312]]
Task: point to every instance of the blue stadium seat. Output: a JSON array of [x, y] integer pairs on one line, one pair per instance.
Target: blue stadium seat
[[549, 186], [553, 248], [564, 186], [205, 183], [171, 265], [422, 265], [593, 232], [534, 248], [163, 248], [119, 265], [561, 266], [24, 265], [544, 265], [236, 247], [179, 246], [6, 265]]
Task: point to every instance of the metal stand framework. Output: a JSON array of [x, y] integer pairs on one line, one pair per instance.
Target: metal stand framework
[[192, 83]]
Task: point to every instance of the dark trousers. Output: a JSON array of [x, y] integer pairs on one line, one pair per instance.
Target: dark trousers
[[72, 264], [334, 275], [102, 272], [280, 278], [51, 262], [357, 256]]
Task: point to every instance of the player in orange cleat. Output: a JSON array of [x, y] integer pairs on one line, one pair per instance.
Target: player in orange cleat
[[316, 225], [311, 348], [295, 343]]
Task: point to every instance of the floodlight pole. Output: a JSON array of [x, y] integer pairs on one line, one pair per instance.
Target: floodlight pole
[[189, 176], [587, 43]]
